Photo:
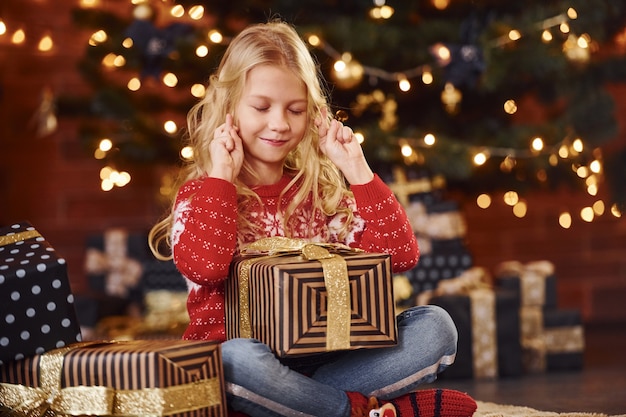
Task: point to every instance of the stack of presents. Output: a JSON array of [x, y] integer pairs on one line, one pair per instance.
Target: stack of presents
[[46, 368], [296, 297], [508, 319]]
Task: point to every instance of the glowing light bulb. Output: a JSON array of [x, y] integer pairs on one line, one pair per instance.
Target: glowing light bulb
[[427, 77], [511, 198], [187, 153], [587, 214], [565, 220], [170, 127], [105, 145], [537, 144], [215, 36], [515, 35], [480, 158], [404, 84], [406, 150], [483, 201], [45, 44]]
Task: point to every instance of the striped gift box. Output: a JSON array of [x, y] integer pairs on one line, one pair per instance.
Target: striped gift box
[[283, 301], [120, 378]]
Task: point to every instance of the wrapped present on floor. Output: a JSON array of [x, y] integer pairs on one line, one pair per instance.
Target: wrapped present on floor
[[535, 281], [161, 275], [488, 325], [37, 309], [560, 344], [447, 256], [114, 262], [438, 266], [445, 221], [302, 298], [131, 378]]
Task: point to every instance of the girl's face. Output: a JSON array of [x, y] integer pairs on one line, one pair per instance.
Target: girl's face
[[272, 118]]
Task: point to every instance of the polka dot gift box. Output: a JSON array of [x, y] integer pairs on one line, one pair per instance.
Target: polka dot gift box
[[36, 305]]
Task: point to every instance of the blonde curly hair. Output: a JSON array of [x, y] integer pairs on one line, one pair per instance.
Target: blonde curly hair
[[273, 43]]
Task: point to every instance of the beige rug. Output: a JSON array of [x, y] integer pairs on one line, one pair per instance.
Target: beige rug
[[486, 409]]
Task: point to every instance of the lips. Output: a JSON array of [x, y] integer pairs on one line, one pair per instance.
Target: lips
[[274, 142]]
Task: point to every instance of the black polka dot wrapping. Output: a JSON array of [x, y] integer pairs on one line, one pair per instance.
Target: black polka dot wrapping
[[36, 303]]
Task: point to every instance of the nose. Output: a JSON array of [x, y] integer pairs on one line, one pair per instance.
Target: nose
[[278, 121]]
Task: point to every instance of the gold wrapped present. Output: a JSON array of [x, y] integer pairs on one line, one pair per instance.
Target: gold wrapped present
[[301, 298], [121, 378]]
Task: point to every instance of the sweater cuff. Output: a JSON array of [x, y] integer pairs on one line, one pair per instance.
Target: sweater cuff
[[373, 191], [218, 188]]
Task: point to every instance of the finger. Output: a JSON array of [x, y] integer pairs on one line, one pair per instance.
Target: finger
[[229, 122], [346, 134], [333, 129], [236, 140], [321, 122]]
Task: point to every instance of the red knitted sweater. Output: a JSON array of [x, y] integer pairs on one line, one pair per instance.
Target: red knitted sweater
[[204, 237]]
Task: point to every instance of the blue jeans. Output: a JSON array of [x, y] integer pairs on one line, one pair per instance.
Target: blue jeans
[[260, 385]]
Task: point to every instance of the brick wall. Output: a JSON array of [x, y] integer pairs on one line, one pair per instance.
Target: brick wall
[[52, 183]]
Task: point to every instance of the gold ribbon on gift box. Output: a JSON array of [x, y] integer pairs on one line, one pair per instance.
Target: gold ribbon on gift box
[[532, 275], [552, 340], [52, 400], [475, 283], [336, 281], [18, 237]]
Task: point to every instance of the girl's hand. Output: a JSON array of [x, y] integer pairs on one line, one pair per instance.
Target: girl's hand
[[226, 151], [340, 145]]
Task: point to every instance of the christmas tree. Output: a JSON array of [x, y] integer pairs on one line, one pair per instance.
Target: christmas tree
[[492, 95]]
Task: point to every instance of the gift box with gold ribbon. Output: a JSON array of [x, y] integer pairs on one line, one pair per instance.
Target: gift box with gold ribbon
[[487, 320], [558, 346], [534, 281], [37, 308], [120, 378], [301, 298]]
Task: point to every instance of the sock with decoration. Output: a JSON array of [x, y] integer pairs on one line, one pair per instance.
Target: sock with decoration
[[422, 403]]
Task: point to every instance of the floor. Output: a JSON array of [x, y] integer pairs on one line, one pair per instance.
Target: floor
[[600, 387]]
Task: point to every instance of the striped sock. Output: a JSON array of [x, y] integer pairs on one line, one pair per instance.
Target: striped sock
[[422, 403], [434, 403]]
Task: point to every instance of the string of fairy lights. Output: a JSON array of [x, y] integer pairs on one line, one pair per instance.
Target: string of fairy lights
[[347, 72]]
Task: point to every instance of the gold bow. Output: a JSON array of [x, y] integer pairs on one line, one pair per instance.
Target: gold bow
[[52, 400], [336, 281]]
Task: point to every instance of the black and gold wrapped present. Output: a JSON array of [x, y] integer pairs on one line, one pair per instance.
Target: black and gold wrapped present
[[560, 344], [535, 282], [301, 298], [37, 308], [121, 378], [488, 325], [487, 322]]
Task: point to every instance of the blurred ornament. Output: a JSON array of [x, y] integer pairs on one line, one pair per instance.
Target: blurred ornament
[[576, 49], [347, 72], [463, 63], [451, 98], [341, 115], [154, 44]]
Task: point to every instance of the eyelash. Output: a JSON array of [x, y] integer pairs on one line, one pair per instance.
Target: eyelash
[[264, 109]]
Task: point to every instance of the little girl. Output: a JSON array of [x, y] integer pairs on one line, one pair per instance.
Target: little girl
[[270, 161]]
